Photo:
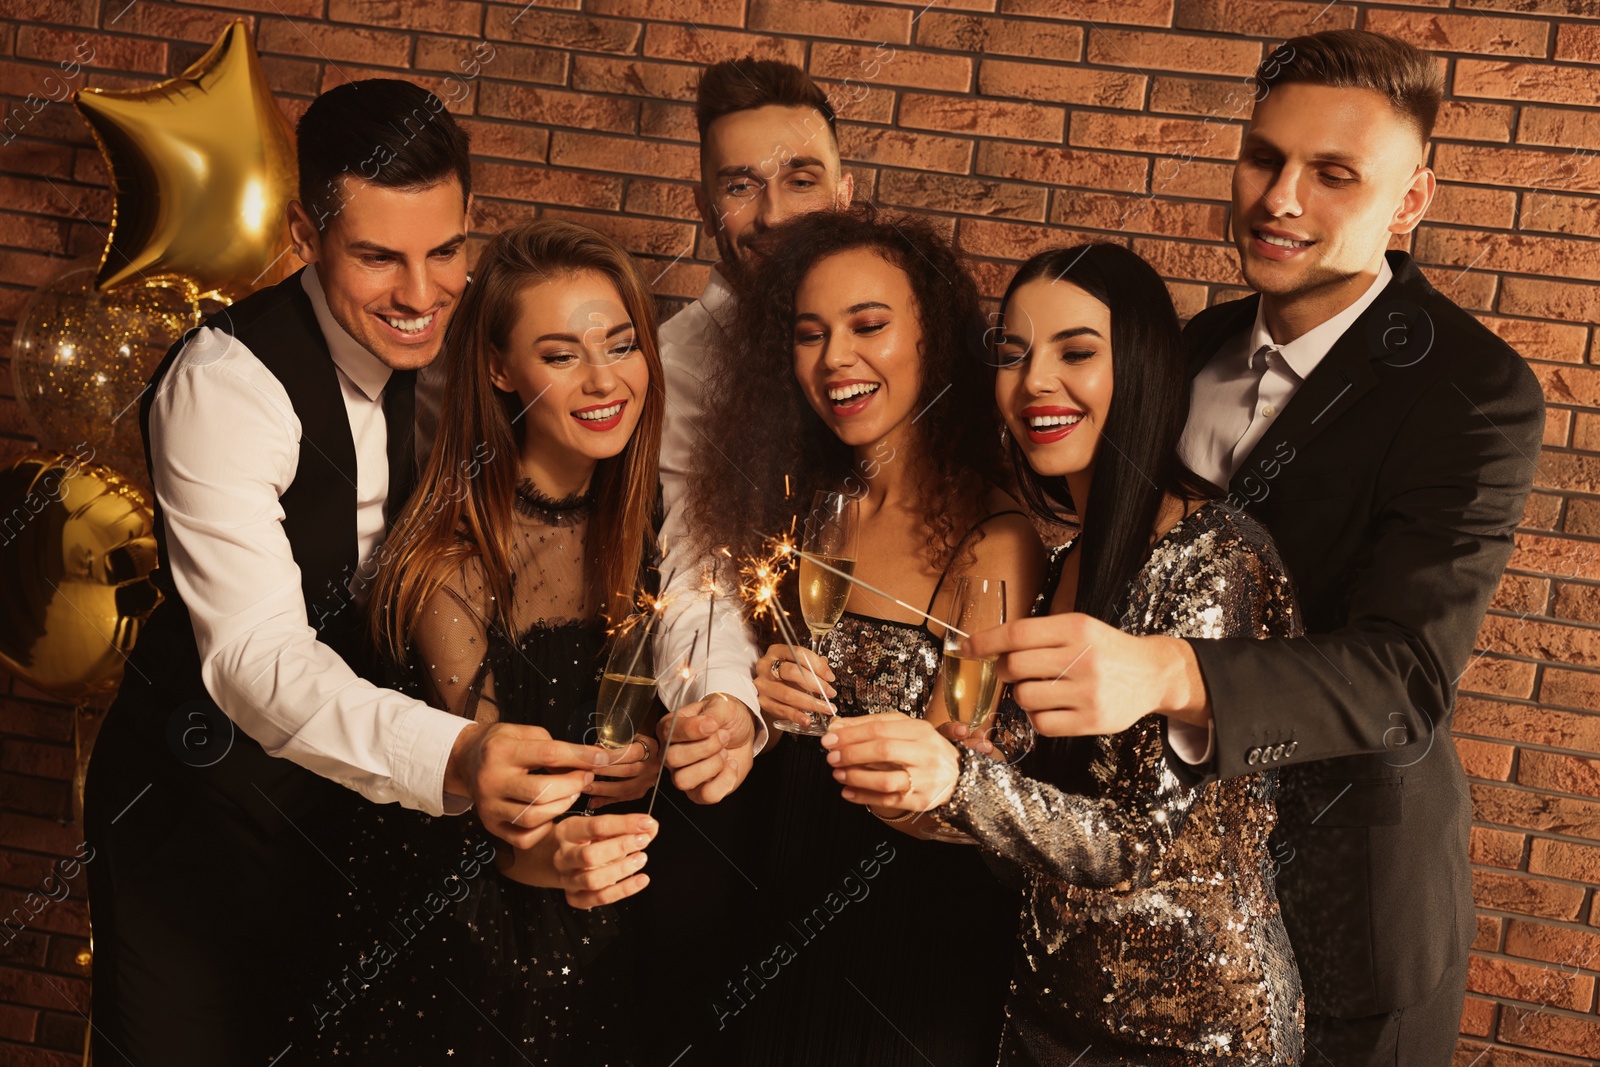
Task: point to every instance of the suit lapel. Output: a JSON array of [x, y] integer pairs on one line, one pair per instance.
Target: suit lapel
[[1346, 373], [1232, 320]]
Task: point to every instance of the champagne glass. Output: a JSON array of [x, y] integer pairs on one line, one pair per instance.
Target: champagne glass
[[830, 537], [628, 684], [972, 686]]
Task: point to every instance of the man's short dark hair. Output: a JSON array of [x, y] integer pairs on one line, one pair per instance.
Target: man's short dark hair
[[749, 83], [384, 131], [1360, 59]]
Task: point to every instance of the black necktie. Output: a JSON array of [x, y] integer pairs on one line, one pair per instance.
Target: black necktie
[[399, 415]]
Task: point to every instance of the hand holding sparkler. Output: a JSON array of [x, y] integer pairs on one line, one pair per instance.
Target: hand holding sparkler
[[787, 679], [713, 751], [501, 766], [759, 588], [713, 747]]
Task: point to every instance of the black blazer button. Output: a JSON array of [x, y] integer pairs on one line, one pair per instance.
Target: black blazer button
[[1253, 756], [1277, 752], [1292, 746]]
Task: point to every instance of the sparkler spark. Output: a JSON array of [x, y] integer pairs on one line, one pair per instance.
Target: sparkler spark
[[760, 577]]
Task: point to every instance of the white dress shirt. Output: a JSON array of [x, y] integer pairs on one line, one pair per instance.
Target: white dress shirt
[[1233, 400], [224, 444], [686, 351]]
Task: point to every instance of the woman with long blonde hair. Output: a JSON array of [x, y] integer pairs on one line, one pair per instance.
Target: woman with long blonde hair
[[526, 540]]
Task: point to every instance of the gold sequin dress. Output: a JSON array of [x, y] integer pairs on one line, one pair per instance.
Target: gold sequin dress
[[1150, 929]]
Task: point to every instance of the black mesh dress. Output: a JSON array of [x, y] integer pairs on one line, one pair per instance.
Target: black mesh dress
[[440, 959]]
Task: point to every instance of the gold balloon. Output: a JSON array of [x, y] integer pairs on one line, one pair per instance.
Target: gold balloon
[[80, 360], [202, 168], [77, 545]]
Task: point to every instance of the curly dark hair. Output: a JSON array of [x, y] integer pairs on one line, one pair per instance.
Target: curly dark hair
[[764, 451]]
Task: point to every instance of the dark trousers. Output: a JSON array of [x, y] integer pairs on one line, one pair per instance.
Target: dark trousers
[[205, 926], [1418, 1035]]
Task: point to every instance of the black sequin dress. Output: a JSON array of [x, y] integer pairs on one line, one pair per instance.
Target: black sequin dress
[[898, 949], [1151, 933], [440, 959]]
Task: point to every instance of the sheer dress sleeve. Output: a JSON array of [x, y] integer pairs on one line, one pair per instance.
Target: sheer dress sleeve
[[451, 644]]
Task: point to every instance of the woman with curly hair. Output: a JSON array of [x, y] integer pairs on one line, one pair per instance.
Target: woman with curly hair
[[1151, 931], [852, 365]]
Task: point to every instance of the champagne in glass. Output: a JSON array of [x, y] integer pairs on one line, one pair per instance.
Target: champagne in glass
[[624, 704], [823, 593], [971, 686], [627, 686], [830, 537]]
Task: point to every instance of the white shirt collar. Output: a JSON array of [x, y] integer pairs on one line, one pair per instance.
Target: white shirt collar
[[717, 296], [1306, 351], [369, 373]]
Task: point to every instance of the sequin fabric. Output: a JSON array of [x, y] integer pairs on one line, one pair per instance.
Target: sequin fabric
[[1150, 932], [883, 665]]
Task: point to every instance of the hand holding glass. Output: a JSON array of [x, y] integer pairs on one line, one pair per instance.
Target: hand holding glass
[[971, 686], [831, 537]]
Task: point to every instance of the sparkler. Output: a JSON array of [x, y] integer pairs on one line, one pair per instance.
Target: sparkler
[[711, 605], [817, 562], [762, 576], [687, 675]]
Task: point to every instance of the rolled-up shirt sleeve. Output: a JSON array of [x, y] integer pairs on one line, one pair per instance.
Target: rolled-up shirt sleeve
[[224, 446], [725, 664], [728, 665]]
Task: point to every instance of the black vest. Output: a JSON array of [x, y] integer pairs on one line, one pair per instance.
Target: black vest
[[186, 733]]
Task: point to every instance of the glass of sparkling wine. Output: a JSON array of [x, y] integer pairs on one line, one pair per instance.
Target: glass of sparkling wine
[[971, 686], [628, 684], [830, 537]]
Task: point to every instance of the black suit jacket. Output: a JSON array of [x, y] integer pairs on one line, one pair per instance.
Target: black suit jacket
[[1392, 482]]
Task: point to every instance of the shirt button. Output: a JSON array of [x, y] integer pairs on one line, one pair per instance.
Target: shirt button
[[1269, 411]]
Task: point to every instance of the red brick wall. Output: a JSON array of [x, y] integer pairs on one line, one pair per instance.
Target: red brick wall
[[1019, 124]]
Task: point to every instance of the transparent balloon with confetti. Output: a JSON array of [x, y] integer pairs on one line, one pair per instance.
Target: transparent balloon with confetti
[[80, 360]]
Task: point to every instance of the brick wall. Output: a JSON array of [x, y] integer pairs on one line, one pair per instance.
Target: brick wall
[[1019, 124]]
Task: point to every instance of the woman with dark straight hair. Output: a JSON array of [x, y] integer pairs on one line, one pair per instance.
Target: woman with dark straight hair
[[527, 538], [1151, 932]]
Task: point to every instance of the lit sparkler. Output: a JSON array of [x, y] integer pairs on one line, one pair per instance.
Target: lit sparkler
[[762, 576]]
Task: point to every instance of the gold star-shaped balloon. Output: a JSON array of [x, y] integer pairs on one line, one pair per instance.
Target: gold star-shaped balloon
[[202, 167]]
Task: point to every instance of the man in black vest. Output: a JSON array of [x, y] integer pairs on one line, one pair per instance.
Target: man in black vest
[[1388, 440], [280, 440]]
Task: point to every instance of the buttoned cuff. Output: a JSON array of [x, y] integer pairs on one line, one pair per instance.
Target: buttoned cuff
[[420, 762]]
